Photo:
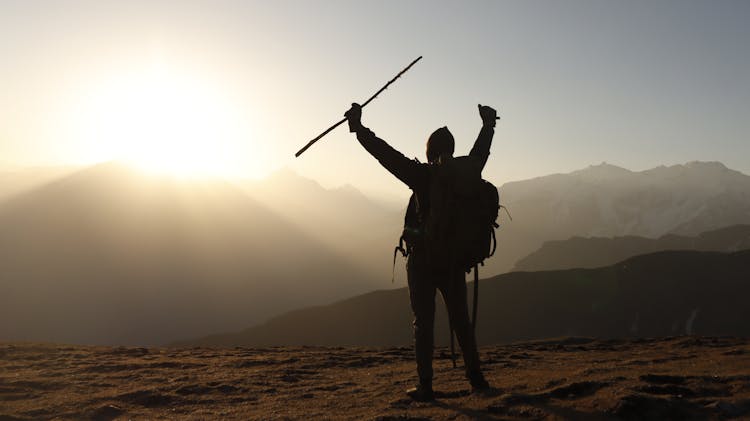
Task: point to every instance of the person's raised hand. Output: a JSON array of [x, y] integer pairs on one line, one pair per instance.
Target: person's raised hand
[[354, 117], [488, 115]]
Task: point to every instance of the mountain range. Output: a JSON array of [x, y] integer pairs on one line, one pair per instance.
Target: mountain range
[[606, 201], [108, 255], [360, 228]]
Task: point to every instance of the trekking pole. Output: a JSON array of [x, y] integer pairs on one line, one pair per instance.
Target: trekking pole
[[320, 136]]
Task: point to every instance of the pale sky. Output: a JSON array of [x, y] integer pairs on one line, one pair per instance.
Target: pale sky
[[243, 85]]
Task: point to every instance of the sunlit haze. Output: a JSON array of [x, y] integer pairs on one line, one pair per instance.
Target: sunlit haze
[[236, 88], [165, 122]]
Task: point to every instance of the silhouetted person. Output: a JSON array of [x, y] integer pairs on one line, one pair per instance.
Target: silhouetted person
[[426, 275]]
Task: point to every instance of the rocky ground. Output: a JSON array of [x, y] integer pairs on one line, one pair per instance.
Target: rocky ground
[[572, 378]]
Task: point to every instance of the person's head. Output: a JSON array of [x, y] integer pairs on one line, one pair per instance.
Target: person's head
[[440, 143]]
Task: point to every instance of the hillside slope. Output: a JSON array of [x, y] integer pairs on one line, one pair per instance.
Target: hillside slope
[[580, 252], [660, 294]]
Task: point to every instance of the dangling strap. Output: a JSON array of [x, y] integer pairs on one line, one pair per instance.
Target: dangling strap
[[453, 345], [476, 297], [495, 226], [404, 252], [494, 242], [450, 322], [506, 211]]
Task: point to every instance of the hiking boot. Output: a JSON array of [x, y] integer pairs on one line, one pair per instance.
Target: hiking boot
[[421, 393], [478, 382]]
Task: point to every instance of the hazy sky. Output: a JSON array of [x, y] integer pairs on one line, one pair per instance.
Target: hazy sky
[[244, 84]]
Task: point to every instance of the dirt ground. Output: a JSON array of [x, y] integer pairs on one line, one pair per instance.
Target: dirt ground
[[571, 378]]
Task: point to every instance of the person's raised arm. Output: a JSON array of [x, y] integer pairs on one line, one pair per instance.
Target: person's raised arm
[[481, 148], [394, 161]]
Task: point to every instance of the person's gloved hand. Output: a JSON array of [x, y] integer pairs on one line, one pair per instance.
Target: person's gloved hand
[[354, 117], [488, 114]]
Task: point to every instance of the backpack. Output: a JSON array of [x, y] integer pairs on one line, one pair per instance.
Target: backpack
[[460, 225]]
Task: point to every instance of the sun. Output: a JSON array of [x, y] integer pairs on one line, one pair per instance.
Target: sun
[[168, 122]]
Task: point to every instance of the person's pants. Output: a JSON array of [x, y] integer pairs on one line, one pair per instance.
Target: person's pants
[[424, 279]]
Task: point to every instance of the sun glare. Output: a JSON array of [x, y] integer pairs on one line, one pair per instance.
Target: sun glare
[[168, 123]]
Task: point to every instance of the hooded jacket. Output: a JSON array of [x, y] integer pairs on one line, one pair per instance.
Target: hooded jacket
[[415, 174]]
